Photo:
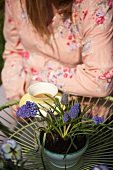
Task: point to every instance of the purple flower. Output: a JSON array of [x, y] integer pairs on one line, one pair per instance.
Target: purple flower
[[100, 167], [11, 150], [64, 99], [98, 120], [103, 167], [73, 112], [66, 117], [96, 168], [27, 110], [21, 111]]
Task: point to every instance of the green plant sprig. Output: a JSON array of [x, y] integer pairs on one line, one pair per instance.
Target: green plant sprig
[[57, 123]]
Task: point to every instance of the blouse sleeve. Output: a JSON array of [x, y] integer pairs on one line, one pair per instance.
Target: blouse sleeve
[[13, 75], [94, 77]]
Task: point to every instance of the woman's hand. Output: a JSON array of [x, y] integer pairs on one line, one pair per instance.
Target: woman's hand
[[14, 108]]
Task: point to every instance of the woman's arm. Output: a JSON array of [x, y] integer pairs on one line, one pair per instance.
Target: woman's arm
[[95, 76], [13, 74]]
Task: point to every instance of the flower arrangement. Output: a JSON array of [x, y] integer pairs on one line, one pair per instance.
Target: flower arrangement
[[64, 122], [65, 128]]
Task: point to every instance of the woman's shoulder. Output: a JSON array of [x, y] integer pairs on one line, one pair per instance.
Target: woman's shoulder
[[84, 7], [15, 6]]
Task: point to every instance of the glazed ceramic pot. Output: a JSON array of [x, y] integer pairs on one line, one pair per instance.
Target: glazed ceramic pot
[[58, 160]]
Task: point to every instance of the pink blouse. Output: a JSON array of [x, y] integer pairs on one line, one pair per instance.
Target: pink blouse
[[79, 59]]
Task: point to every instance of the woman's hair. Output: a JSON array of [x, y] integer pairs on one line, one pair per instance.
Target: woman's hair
[[39, 12]]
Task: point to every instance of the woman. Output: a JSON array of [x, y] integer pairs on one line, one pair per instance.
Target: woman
[[65, 42]]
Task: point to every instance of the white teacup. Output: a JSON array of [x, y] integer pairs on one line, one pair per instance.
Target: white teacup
[[39, 89], [38, 92]]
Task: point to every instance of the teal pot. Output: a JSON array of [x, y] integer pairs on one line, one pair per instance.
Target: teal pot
[[70, 160]]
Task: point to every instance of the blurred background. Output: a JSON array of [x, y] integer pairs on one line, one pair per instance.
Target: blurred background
[[1, 34]]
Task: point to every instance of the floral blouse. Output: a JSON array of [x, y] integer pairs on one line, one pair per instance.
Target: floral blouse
[[80, 60]]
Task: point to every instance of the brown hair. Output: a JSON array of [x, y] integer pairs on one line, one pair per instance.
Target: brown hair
[[39, 15]]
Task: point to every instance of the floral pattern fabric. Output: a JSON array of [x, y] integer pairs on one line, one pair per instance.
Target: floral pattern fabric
[[80, 60]]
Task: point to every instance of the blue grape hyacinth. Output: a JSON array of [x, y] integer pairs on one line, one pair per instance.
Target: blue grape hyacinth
[[98, 120], [64, 99], [27, 110], [73, 112], [66, 117]]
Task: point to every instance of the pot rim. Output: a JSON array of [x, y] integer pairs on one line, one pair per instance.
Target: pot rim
[[85, 146]]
